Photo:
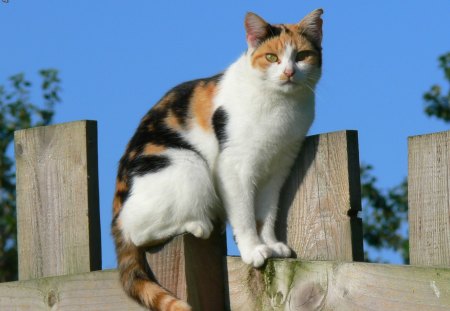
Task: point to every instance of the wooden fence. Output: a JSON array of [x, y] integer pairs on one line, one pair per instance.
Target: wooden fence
[[59, 235]]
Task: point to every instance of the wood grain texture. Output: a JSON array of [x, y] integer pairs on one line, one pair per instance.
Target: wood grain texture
[[283, 285], [321, 199], [57, 200], [306, 286], [193, 269], [429, 199], [94, 291]]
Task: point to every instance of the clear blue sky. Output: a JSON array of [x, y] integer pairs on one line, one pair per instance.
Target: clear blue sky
[[116, 58]]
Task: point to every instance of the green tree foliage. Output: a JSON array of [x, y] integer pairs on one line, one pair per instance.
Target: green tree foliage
[[385, 214], [437, 103], [17, 111]]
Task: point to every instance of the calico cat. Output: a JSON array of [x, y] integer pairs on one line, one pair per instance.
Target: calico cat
[[217, 149]]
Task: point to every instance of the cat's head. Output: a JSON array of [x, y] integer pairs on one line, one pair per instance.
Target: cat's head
[[287, 57]]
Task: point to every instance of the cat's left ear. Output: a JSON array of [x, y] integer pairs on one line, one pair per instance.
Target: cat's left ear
[[311, 26], [256, 28]]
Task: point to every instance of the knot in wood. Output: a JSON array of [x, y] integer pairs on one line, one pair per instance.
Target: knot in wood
[[52, 298], [19, 149]]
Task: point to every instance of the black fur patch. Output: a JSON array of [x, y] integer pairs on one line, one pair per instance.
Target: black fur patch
[[122, 195], [220, 120], [317, 47], [148, 164], [274, 31], [159, 135], [114, 220], [180, 106]]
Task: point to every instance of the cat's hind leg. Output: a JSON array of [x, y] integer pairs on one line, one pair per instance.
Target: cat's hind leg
[[175, 199], [200, 229]]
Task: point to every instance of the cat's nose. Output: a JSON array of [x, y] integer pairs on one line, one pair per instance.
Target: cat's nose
[[289, 72]]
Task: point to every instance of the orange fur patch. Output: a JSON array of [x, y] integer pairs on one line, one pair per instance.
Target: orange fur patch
[[202, 104], [117, 205], [172, 121], [150, 149], [121, 186], [158, 298]]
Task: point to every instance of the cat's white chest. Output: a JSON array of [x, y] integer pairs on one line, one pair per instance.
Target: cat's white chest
[[260, 134], [265, 121]]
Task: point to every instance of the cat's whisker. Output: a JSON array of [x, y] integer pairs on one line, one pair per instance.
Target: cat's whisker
[[309, 87]]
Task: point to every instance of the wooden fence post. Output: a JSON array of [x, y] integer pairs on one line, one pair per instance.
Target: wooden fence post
[[193, 269], [318, 218], [429, 199], [321, 199], [57, 200]]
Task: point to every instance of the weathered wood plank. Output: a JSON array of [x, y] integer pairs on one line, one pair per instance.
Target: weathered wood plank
[[97, 291], [57, 200], [429, 199], [193, 269], [321, 199], [294, 285], [282, 285]]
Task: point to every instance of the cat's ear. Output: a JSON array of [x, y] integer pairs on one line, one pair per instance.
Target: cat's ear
[[311, 26], [256, 29]]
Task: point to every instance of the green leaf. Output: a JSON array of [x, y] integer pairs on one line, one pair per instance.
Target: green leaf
[[436, 103]]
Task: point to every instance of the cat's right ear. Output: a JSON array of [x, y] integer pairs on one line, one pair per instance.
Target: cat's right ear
[[256, 29]]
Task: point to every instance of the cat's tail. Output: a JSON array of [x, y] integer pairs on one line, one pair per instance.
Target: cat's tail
[[137, 283]]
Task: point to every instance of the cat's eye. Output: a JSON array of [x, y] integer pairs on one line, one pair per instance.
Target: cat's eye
[[302, 55], [271, 57]]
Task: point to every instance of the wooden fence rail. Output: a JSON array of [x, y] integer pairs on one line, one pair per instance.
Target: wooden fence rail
[[334, 285], [59, 235]]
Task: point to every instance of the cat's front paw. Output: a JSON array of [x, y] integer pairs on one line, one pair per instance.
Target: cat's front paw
[[280, 249], [257, 256], [199, 229]]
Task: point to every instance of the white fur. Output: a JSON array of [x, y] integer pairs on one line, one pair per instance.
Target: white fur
[[267, 121], [203, 141], [177, 199]]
